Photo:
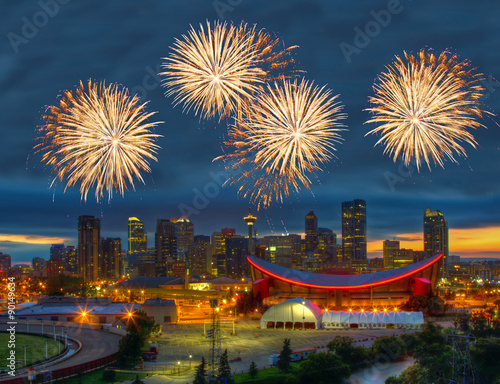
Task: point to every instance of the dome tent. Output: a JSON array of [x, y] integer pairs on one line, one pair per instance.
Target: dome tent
[[289, 314]]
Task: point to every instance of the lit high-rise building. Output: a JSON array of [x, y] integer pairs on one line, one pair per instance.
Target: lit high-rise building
[[166, 244], [236, 257], [184, 231], [70, 262], [311, 232], [389, 249], [89, 236], [137, 239], [199, 256], [110, 260], [354, 230], [436, 236], [5, 262], [39, 264], [327, 244]]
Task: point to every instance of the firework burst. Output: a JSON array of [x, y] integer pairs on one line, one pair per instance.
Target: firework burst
[[214, 70], [286, 134], [425, 104], [98, 136]]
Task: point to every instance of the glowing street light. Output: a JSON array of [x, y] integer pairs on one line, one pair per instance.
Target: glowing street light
[[303, 314], [190, 357]]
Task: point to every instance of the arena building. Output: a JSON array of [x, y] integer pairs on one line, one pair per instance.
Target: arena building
[[386, 289]]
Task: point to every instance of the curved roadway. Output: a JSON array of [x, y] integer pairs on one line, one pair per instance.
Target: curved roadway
[[95, 344]]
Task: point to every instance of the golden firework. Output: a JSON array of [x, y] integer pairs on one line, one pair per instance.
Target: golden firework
[[425, 106], [286, 134], [99, 136], [214, 70]]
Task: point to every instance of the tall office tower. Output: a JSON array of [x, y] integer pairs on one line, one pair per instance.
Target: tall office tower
[[403, 257], [165, 241], [70, 262], [39, 264], [58, 251], [54, 267], [354, 231], [110, 260], [236, 257], [311, 232], [184, 231], [436, 237], [280, 250], [296, 248], [218, 242], [137, 239], [5, 262], [200, 261], [327, 244], [250, 220], [390, 247], [89, 236]]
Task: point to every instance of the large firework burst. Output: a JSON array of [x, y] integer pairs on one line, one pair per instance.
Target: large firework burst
[[99, 136], [283, 136], [425, 105], [214, 70]]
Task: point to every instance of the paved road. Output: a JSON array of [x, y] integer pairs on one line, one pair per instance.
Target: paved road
[[95, 344]]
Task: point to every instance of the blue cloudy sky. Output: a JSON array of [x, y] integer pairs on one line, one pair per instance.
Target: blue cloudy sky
[[49, 46]]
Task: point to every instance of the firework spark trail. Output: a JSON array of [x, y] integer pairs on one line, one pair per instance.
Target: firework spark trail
[[286, 133], [99, 136], [425, 106], [216, 69]]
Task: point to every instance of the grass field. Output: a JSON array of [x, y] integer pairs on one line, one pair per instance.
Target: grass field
[[34, 352]]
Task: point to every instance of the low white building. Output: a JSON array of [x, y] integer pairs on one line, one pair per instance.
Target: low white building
[[292, 314]]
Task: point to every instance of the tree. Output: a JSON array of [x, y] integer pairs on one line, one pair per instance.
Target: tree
[[484, 356], [285, 357], [200, 373], [392, 346], [224, 369], [137, 380], [252, 371], [129, 349], [323, 368], [142, 324], [353, 356], [411, 375]]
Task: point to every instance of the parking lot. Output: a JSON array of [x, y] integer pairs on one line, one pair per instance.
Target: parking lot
[[179, 341]]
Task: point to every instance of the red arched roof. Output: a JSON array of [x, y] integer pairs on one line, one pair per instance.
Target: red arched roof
[[316, 280]]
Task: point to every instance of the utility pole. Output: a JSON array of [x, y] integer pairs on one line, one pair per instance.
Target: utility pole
[[215, 342]]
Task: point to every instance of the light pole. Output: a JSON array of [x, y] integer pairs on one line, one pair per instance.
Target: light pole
[[190, 357], [46, 349], [179, 365], [24, 347], [303, 314]]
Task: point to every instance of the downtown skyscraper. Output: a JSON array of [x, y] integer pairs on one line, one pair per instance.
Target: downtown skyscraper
[[436, 236], [354, 231], [89, 236], [137, 239]]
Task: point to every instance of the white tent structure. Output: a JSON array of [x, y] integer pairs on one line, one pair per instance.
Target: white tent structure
[[372, 320], [292, 314]]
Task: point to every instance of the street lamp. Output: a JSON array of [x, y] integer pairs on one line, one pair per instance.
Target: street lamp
[[46, 349], [179, 365], [190, 357]]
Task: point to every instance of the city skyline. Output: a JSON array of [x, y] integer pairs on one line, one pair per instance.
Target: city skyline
[[121, 44]]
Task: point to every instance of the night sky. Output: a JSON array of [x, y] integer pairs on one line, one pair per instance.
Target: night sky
[[124, 42]]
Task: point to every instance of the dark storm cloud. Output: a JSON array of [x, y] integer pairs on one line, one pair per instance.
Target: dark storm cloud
[[124, 41]]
